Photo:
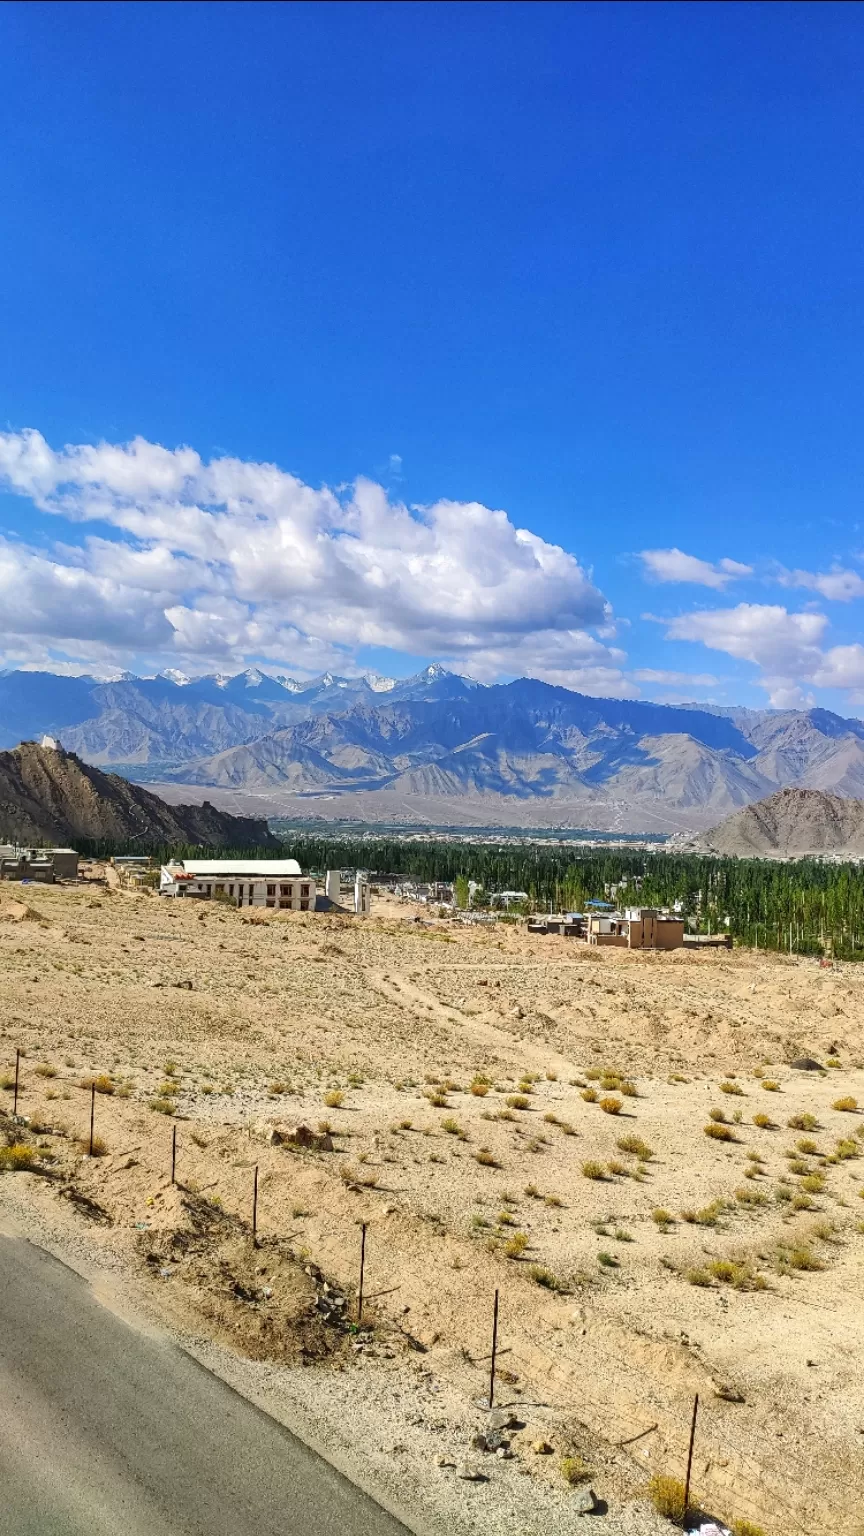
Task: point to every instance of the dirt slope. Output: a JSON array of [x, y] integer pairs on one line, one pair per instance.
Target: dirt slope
[[49, 794], [792, 821]]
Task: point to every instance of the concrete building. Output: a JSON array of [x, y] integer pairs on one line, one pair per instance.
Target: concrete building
[[275, 883], [46, 865], [636, 928]]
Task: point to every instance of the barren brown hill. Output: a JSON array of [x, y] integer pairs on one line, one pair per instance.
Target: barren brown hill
[[47, 794], [792, 821]]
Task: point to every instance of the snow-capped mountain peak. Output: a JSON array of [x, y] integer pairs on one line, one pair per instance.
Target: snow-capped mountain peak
[[171, 675]]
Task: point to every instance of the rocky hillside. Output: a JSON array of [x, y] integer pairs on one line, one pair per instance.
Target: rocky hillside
[[792, 821], [48, 795]]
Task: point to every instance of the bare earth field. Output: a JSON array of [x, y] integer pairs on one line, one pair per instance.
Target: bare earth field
[[631, 1277]]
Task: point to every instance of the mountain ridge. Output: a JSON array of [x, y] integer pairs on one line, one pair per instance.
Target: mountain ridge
[[436, 734], [791, 822], [49, 795]]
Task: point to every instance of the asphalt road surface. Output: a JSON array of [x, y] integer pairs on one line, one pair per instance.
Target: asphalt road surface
[[105, 1431]]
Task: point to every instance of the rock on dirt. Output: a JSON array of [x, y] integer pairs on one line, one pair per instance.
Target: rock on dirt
[[294, 1136]]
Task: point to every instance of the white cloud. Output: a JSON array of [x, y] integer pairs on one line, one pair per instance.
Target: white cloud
[[838, 585], [674, 565], [786, 646], [219, 561], [675, 679]]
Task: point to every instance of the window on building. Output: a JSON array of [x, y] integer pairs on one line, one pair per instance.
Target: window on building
[[304, 890], [284, 890], [271, 890], [285, 901], [304, 904], [270, 902]]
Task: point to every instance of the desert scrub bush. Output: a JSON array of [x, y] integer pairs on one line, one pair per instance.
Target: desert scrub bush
[[698, 1277], [589, 1095], [45, 1070], [764, 1122], [545, 1277], [479, 1088], [17, 1158], [550, 1118], [846, 1103], [103, 1083], [813, 1183], [593, 1074], [662, 1218], [531, 1191], [802, 1120], [770, 1085], [628, 1088], [846, 1148], [751, 1197], [667, 1496], [98, 1148], [636, 1146], [611, 1106], [334, 1099], [746, 1528], [515, 1246], [162, 1106], [553, 1201], [574, 1470], [731, 1088], [517, 1101], [526, 1085], [506, 1219], [619, 1169], [807, 1145], [717, 1114], [607, 1260], [719, 1132], [593, 1170], [451, 1126], [833, 1061], [7, 1081], [730, 1272], [479, 1220], [485, 1158], [802, 1201]]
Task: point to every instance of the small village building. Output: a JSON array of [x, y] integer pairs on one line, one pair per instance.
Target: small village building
[[636, 928], [276, 883], [45, 865]]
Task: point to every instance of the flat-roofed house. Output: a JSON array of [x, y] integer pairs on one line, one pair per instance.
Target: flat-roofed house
[[637, 928], [276, 883]]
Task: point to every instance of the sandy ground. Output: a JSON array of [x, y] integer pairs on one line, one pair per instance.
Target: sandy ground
[[612, 1317]]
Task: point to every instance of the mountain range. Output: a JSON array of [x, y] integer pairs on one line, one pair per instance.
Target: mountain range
[[440, 746]]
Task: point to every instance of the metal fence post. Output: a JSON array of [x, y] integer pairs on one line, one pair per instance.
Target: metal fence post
[[362, 1268], [690, 1461], [494, 1352]]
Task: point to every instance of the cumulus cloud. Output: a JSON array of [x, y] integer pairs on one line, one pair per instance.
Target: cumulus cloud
[[673, 565], [223, 560], [837, 585], [786, 646]]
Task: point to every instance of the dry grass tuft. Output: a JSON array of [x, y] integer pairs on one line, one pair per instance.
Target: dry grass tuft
[[611, 1106], [846, 1103], [719, 1132], [667, 1496]]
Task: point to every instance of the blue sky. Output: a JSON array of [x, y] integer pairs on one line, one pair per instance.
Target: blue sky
[[577, 285]]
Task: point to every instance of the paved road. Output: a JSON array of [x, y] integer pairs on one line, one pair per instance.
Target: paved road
[[105, 1431]]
